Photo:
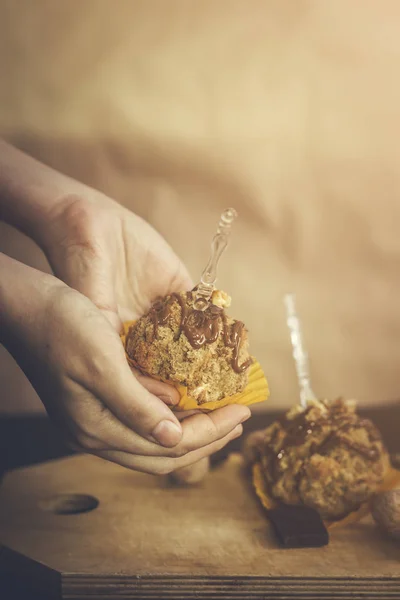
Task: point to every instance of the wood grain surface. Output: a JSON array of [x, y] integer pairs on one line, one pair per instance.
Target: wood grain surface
[[150, 539]]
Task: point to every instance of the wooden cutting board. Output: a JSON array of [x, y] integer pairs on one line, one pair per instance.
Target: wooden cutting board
[[150, 539]]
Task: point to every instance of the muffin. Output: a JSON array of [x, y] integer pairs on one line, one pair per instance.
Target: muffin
[[325, 457], [205, 353]]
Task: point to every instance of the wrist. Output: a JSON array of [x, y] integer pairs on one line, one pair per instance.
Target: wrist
[[23, 296], [30, 192]]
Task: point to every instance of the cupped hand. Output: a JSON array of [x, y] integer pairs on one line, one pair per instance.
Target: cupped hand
[[74, 358], [120, 264]]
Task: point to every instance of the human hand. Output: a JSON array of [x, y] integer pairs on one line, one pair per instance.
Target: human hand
[[74, 359], [111, 255], [121, 264]]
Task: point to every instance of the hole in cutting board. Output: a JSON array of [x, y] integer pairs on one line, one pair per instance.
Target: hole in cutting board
[[69, 504]]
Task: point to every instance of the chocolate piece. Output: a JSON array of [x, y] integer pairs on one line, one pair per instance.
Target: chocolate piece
[[298, 527]]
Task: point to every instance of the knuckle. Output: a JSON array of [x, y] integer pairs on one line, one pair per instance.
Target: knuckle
[[83, 226], [79, 215], [61, 298], [95, 367]]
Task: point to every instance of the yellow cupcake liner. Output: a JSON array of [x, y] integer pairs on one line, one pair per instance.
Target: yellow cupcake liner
[[260, 487], [256, 390], [392, 480]]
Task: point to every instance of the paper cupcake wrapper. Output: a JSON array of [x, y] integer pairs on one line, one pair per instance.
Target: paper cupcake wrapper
[[392, 479], [256, 390]]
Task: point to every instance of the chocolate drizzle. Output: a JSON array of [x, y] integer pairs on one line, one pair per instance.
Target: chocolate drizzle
[[233, 339], [201, 327], [161, 311], [297, 430]]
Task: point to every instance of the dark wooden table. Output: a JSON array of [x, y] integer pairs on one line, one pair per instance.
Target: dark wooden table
[[31, 440]]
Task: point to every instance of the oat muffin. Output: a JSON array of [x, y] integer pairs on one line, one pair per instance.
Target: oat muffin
[[205, 351], [325, 457]]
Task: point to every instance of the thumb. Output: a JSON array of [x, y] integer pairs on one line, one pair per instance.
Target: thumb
[[131, 403]]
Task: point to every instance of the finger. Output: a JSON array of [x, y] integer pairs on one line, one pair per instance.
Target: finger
[[150, 417], [163, 465], [113, 382], [203, 429], [94, 427], [184, 414], [193, 473], [167, 393], [97, 428], [196, 455]]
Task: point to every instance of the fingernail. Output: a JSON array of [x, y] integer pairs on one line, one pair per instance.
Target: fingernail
[[167, 433], [168, 400]]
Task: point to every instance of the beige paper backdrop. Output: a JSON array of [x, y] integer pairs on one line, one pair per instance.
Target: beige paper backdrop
[[287, 110]]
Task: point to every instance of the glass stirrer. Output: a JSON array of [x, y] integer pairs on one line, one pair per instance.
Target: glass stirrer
[[299, 354], [205, 288]]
